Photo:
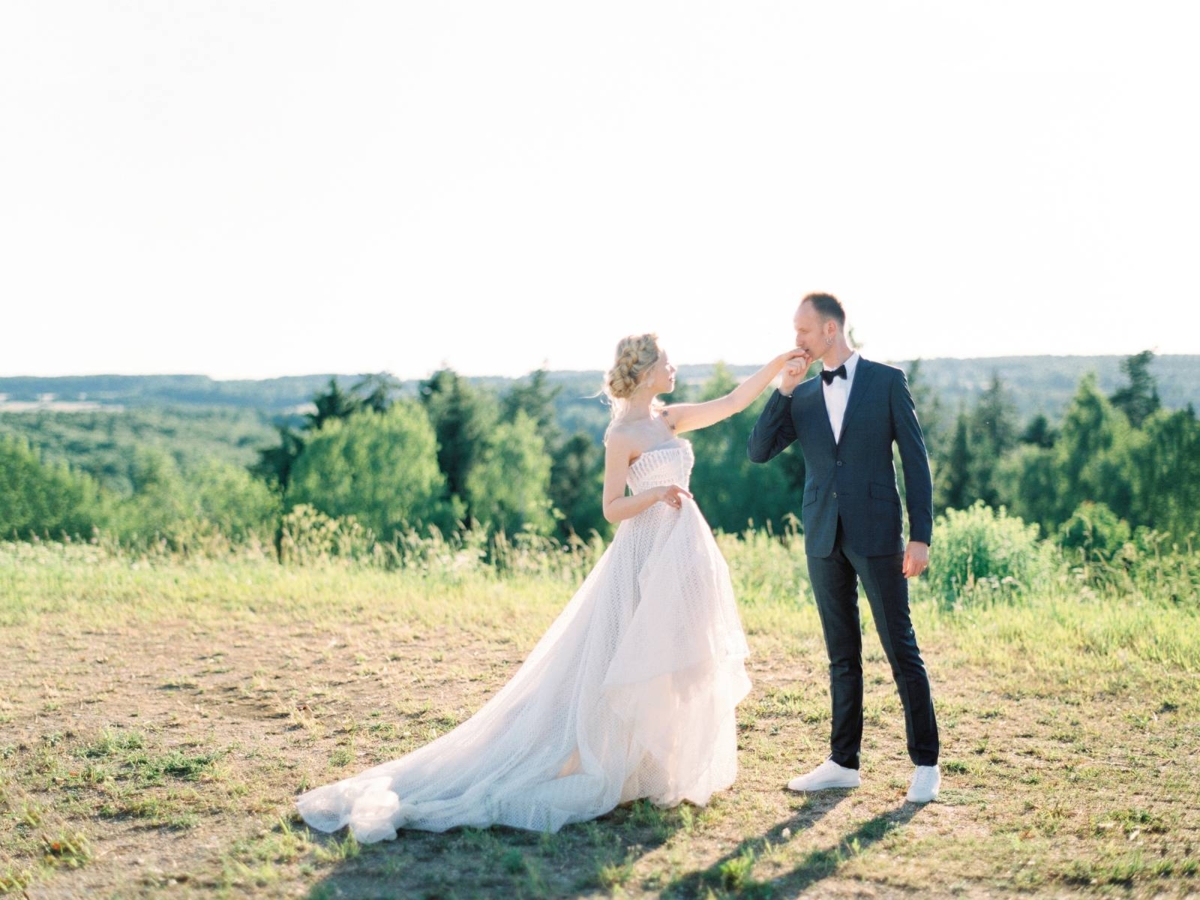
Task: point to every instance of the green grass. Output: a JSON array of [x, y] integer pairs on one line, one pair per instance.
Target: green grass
[[158, 715]]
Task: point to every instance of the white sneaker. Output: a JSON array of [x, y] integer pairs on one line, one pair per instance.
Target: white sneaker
[[926, 782], [827, 775]]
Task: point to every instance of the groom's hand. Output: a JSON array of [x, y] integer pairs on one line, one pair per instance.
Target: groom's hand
[[916, 559]]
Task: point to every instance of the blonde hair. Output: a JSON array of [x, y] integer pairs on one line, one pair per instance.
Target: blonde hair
[[635, 355]]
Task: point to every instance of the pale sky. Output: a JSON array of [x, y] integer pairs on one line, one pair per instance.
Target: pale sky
[[250, 189]]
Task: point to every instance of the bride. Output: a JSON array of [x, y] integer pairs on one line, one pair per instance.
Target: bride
[[631, 692]]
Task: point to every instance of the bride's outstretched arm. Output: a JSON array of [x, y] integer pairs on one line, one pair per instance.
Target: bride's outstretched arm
[[690, 416], [617, 451]]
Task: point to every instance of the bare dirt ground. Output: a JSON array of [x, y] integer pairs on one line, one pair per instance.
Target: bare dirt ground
[[161, 760]]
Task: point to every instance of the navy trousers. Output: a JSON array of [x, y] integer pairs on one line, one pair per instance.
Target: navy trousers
[[835, 583]]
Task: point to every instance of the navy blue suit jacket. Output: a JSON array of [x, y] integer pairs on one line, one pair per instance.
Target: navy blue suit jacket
[[854, 478]]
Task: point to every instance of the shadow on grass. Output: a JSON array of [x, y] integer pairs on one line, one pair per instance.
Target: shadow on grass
[[731, 873], [590, 858]]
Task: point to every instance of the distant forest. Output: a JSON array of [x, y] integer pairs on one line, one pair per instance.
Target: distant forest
[[1037, 384], [1057, 441]]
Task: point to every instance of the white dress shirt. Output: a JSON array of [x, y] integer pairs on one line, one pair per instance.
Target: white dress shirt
[[837, 393]]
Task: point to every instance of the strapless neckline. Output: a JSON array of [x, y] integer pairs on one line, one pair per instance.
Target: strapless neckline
[[656, 448]]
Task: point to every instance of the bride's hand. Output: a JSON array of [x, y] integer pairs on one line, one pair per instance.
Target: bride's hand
[[794, 364], [672, 495]]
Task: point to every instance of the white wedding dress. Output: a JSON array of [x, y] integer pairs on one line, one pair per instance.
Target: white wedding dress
[[631, 693]]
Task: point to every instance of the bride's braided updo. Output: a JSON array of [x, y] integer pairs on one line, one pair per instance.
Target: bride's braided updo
[[635, 354]]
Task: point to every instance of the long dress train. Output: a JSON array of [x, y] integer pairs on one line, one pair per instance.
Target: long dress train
[[629, 694]]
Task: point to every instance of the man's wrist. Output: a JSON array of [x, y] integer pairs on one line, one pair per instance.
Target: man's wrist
[[787, 396]]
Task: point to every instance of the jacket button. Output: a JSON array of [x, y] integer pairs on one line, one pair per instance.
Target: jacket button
[[839, 462], [835, 495]]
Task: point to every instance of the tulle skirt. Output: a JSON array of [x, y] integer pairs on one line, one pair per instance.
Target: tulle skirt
[[631, 693]]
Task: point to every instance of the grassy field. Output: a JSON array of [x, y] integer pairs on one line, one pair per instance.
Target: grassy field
[[159, 715]]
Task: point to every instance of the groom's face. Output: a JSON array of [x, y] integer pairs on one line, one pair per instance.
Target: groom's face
[[810, 331]]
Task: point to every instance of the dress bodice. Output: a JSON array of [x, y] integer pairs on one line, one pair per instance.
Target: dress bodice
[[667, 463]]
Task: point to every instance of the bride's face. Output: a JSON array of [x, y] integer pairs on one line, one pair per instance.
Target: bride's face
[[661, 376]]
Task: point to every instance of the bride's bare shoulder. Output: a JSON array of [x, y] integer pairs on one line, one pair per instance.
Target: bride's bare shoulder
[[619, 437], [625, 442]]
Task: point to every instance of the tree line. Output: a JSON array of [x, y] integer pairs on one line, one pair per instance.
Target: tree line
[[459, 457], [1117, 457]]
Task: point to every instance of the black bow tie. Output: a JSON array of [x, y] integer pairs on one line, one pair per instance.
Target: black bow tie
[[828, 376]]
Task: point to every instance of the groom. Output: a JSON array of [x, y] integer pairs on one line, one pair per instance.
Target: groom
[[846, 422]]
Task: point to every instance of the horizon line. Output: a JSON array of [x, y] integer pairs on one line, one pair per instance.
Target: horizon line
[[525, 374]]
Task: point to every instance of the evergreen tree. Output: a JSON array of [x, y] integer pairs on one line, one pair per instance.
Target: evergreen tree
[[1138, 399], [463, 418], [1039, 432], [1092, 454], [334, 403], [376, 392], [1165, 468], [993, 418], [954, 474], [536, 399], [577, 487], [993, 433], [1031, 485], [929, 410], [275, 463]]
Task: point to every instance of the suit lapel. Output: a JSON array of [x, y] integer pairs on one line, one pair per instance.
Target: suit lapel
[[819, 409], [862, 377]]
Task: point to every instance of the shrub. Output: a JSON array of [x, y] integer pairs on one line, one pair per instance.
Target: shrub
[[1094, 532], [767, 568], [238, 504], [980, 555], [309, 536], [212, 506]]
